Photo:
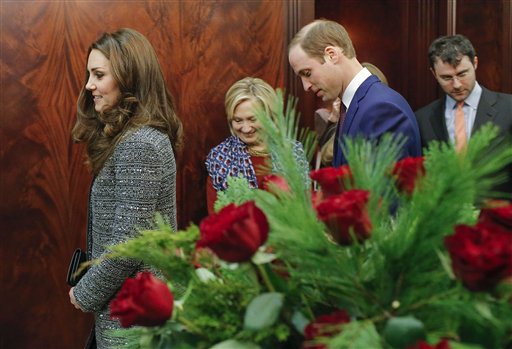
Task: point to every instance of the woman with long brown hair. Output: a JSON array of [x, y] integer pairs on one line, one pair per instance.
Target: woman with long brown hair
[[126, 118]]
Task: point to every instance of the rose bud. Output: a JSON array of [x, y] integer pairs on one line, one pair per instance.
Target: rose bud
[[324, 326], [274, 183], [346, 213], [144, 300], [235, 233], [333, 180], [481, 255], [407, 171]]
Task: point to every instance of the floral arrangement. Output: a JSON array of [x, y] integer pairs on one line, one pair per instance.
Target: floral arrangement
[[386, 254]]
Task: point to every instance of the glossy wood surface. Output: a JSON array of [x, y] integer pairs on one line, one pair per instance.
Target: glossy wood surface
[[203, 47], [395, 36]]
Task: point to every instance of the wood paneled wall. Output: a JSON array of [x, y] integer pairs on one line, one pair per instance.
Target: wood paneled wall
[[203, 46], [395, 36]]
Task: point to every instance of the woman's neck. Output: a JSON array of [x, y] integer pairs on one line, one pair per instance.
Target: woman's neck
[[257, 150]]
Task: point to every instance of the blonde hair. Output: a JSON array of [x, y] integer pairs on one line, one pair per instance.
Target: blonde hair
[[317, 35], [145, 99], [376, 71], [249, 88]]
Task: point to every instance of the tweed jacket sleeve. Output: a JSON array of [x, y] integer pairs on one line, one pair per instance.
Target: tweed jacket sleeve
[[301, 159], [136, 182], [300, 156]]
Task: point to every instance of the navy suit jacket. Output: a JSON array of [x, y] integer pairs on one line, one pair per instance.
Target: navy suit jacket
[[493, 107], [377, 109]]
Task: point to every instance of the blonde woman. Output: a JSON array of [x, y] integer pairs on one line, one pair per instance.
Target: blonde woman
[[244, 153]]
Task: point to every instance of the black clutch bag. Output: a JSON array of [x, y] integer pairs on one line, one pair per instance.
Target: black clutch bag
[[77, 258]]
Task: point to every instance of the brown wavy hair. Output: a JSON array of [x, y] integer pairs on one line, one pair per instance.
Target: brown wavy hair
[[145, 99]]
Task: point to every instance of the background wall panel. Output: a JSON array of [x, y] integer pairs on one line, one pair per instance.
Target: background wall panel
[[488, 25], [395, 35], [203, 47]]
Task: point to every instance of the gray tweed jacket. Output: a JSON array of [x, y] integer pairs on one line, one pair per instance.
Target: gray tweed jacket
[[138, 180]]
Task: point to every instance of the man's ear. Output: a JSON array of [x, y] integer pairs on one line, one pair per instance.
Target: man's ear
[[331, 54], [475, 62]]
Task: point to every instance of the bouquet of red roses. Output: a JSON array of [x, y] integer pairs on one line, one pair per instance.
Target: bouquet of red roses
[[387, 254]]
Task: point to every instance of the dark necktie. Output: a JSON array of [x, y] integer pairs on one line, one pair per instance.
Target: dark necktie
[[337, 139]]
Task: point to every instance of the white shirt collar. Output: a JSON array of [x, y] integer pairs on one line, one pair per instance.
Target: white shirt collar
[[472, 100], [352, 87]]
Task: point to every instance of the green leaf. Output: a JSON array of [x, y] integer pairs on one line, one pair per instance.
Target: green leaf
[[261, 257], [205, 275], [357, 335], [300, 321], [234, 344], [263, 311], [401, 332], [456, 345], [446, 264], [238, 192], [484, 310]]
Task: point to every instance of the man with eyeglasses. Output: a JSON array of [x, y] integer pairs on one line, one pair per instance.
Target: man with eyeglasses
[[466, 106]]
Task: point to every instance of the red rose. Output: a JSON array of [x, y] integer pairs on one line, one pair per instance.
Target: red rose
[[481, 255], [274, 183], [344, 213], [333, 180], [324, 326], [406, 171], [144, 300], [498, 215], [443, 344], [234, 233]]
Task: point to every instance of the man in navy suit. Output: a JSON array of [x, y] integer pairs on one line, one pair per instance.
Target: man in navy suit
[[323, 56], [453, 63]]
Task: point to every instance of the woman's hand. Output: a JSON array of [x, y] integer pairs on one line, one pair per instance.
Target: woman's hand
[[334, 116], [73, 300]]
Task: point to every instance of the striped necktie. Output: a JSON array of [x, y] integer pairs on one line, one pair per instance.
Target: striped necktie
[[460, 128]]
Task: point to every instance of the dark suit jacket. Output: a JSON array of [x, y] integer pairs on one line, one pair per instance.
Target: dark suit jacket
[[493, 107], [377, 109]]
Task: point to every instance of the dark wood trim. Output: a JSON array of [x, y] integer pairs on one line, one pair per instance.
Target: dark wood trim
[[507, 46], [299, 13], [451, 17]]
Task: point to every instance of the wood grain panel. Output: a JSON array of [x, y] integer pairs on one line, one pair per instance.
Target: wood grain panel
[[203, 46], [219, 44], [487, 25], [393, 35], [423, 21], [43, 179], [299, 13]]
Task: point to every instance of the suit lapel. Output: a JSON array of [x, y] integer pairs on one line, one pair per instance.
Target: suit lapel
[[438, 122], [339, 157], [354, 104], [485, 111]]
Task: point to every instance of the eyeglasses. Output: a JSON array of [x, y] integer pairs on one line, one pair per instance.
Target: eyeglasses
[[450, 79]]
